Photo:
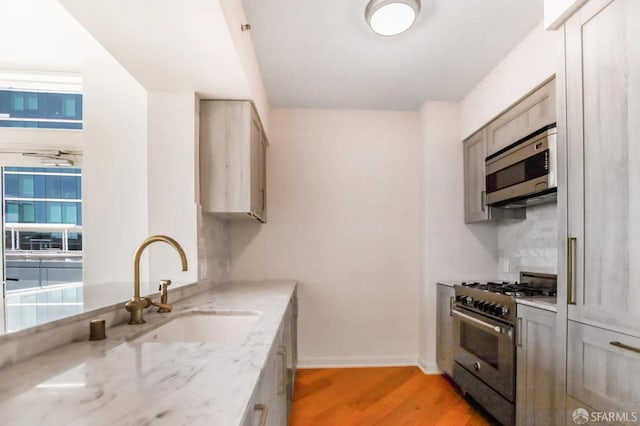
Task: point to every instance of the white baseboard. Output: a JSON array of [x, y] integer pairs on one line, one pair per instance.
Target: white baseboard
[[428, 367], [337, 362]]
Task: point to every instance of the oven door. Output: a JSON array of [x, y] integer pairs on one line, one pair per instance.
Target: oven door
[[486, 349]]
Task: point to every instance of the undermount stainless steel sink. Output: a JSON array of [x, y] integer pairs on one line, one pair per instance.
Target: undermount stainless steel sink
[[201, 327]]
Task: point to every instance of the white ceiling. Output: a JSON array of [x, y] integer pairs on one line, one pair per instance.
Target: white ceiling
[[321, 54], [169, 45]]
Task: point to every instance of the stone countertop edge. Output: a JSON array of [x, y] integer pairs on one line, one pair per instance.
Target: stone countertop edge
[[546, 303], [116, 381]]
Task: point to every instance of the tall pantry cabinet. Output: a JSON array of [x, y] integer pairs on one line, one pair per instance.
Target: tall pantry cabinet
[[599, 207]]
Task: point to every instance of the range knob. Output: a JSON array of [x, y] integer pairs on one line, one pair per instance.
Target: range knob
[[468, 300], [504, 311], [497, 309]]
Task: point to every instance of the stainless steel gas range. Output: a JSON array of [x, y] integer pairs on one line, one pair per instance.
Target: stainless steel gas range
[[484, 338]]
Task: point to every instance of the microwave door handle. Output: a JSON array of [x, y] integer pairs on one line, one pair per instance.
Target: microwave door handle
[[478, 322]]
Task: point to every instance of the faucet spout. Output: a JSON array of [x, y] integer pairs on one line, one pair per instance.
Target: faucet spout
[[137, 304]]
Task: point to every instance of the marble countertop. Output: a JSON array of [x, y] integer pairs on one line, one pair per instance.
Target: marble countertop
[[115, 381], [546, 303]]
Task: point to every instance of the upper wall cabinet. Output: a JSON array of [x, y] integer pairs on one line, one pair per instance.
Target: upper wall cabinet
[[475, 208], [530, 114], [475, 151], [232, 160]]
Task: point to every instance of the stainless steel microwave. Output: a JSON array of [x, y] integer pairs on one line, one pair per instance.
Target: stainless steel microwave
[[523, 173]]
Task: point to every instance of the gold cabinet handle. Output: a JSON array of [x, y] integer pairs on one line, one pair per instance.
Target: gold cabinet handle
[[627, 347], [519, 332], [570, 296], [264, 413], [283, 352]]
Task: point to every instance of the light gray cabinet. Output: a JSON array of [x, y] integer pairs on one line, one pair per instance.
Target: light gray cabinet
[[603, 124], [535, 366], [599, 205], [533, 112], [604, 368], [271, 401], [290, 343], [232, 160], [475, 151], [475, 208], [444, 329]]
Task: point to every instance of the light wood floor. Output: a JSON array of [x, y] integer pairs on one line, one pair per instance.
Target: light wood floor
[[378, 396]]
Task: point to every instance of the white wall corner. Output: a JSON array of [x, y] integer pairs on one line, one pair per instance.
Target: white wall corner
[[428, 367], [451, 250]]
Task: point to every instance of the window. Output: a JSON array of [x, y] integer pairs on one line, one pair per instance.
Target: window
[[12, 209], [25, 186], [68, 186], [54, 212], [27, 212], [53, 189], [11, 185]]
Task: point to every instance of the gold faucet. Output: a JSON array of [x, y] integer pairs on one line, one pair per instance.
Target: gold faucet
[[136, 305]]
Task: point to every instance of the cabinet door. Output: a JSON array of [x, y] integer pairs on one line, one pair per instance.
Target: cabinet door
[[535, 367], [603, 368], [444, 340], [263, 409], [603, 151], [232, 160], [475, 151], [535, 111]]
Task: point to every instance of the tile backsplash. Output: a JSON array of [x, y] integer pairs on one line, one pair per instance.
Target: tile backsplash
[[529, 245], [214, 249]]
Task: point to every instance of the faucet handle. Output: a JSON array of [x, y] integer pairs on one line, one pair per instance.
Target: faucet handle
[[163, 307]]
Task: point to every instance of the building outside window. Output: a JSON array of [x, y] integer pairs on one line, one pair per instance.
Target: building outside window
[[42, 204], [38, 100], [19, 108]]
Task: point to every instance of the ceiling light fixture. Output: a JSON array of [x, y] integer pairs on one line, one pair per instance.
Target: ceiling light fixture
[[391, 17]]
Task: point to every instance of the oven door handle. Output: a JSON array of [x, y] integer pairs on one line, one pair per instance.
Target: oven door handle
[[495, 328]]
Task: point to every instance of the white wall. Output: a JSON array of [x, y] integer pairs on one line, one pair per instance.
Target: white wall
[[172, 158], [451, 249], [115, 170], [235, 17], [530, 63], [344, 218]]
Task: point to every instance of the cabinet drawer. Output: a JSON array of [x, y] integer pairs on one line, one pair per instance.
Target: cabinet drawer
[[533, 112], [603, 368]]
